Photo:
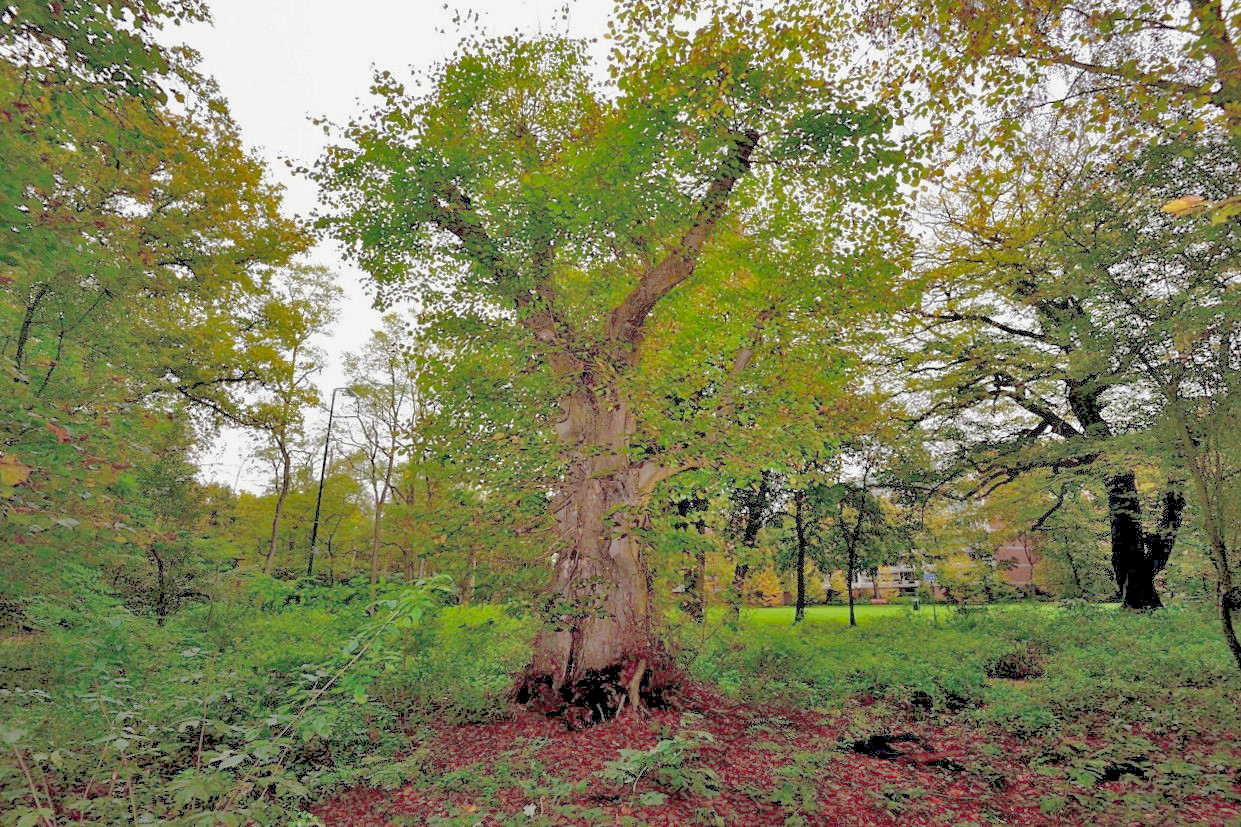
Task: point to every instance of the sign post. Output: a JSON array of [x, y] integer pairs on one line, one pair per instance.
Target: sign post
[[928, 577]]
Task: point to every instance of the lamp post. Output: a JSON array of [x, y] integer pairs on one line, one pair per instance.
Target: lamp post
[[327, 444]]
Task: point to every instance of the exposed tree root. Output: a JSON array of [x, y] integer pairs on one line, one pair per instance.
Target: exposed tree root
[[601, 694]]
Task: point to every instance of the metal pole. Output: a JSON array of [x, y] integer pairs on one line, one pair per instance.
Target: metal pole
[[327, 443]]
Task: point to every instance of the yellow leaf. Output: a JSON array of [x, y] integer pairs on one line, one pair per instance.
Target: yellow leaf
[[1185, 205], [13, 471]]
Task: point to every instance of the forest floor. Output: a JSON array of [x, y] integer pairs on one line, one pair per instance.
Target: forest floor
[[1020, 714], [718, 761]]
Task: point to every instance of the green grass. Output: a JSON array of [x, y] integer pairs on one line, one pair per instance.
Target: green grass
[[866, 614], [837, 615]]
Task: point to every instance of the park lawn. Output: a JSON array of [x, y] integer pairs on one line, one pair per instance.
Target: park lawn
[[865, 613], [832, 613]]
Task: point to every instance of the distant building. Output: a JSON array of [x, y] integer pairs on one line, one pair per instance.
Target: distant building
[[1015, 559]]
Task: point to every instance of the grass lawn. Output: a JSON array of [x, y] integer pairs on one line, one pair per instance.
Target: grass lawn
[[835, 614]]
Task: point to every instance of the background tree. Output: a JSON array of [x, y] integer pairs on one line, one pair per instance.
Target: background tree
[[303, 312], [1015, 356], [384, 381]]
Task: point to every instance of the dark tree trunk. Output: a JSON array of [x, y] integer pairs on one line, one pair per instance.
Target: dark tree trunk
[[1229, 605], [798, 501], [286, 473], [161, 597], [700, 584], [849, 585], [1137, 555], [753, 515]]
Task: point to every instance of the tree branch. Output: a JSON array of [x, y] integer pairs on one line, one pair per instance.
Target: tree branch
[[625, 322]]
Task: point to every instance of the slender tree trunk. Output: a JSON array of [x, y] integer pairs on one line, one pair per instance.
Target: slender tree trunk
[[852, 566], [754, 516], [700, 584], [694, 584], [23, 335], [467, 592], [286, 472], [375, 536], [161, 602], [1229, 597], [740, 572], [800, 611]]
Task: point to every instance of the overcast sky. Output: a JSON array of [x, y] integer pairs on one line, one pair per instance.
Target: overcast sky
[[280, 62]]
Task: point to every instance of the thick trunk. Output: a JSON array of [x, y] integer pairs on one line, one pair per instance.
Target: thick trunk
[[1138, 555], [597, 649], [1135, 578]]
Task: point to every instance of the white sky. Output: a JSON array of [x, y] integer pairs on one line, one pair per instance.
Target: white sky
[[280, 62]]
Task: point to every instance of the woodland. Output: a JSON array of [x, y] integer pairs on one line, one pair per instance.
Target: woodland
[[721, 361]]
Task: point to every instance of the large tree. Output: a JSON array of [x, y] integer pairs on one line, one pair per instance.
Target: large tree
[[644, 236], [1016, 351]]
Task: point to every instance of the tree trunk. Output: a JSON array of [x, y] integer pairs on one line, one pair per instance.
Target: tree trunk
[[287, 463], [1137, 555], [694, 583], [1229, 603], [740, 572], [375, 535], [161, 602], [800, 612], [700, 584], [755, 512], [597, 636], [467, 591], [851, 567]]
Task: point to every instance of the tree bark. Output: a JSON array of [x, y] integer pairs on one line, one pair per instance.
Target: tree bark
[[598, 627], [1138, 555], [597, 647], [740, 572], [851, 566], [286, 472], [798, 502], [376, 529]]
